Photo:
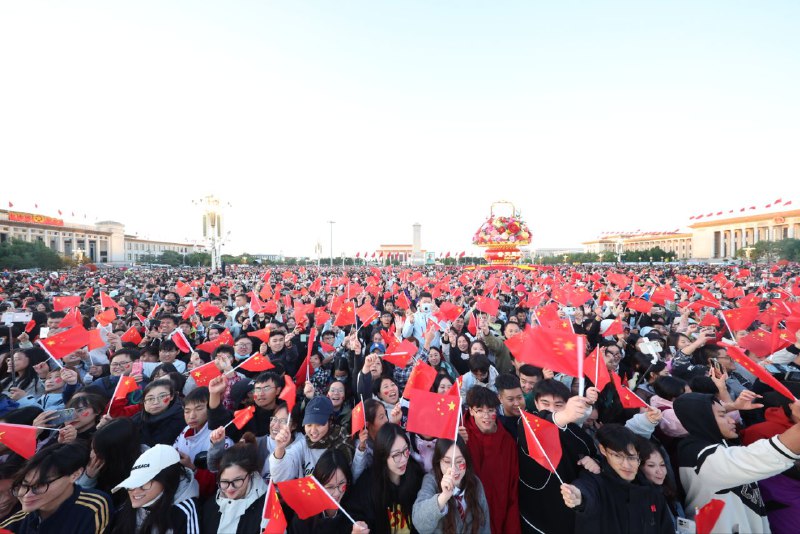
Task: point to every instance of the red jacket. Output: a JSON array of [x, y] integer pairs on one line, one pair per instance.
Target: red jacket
[[496, 463], [776, 423]]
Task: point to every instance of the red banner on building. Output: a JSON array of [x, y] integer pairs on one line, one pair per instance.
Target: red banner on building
[[34, 218]]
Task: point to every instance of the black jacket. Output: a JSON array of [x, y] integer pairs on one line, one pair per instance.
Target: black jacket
[[320, 524], [610, 504], [249, 522], [161, 428], [360, 502], [540, 500]]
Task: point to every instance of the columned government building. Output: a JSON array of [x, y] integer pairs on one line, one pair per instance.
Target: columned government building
[[712, 236], [104, 242]]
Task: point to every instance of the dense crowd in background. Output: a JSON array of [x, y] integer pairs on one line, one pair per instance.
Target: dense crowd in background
[[198, 394]]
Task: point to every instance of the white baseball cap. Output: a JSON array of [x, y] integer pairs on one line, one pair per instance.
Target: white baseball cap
[[149, 465]]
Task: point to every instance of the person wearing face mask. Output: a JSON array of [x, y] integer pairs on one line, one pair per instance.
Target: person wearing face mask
[[416, 324], [495, 460], [451, 499], [713, 466], [619, 498], [236, 508], [286, 463], [162, 495]]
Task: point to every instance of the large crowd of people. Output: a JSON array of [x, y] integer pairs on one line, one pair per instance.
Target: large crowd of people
[[192, 395]]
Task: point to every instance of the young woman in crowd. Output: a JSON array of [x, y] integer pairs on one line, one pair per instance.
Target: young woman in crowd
[[114, 449], [162, 420]]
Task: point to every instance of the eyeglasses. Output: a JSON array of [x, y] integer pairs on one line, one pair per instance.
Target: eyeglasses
[[461, 464], [262, 389], [36, 489], [399, 455], [485, 412], [614, 355], [341, 487], [156, 400], [622, 458], [278, 420], [236, 483], [120, 364]]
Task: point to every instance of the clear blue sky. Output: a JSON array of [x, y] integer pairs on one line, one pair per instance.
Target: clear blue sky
[[590, 116]]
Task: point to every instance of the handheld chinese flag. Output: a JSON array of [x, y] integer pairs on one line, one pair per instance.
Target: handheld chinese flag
[[204, 374], [488, 305], [401, 301], [759, 342], [243, 416], [262, 334], [182, 288], [65, 342], [595, 370], [19, 438], [366, 313], [346, 315], [401, 353], [72, 318], [105, 317], [30, 326], [640, 305], [552, 349], [62, 303], [762, 374], [189, 311], [108, 302], [305, 497], [421, 379], [321, 316], [472, 325], [273, 521], [206, 309], [627, 397], [256, 363], [180, 340], [543, 441], [125, 386], [214, 290], [95, 339], [289, 393], [358, 419], [706, 517], [614, 328], [740, 318], [305, 367], [449, 312], [431, 414], [131, 335]]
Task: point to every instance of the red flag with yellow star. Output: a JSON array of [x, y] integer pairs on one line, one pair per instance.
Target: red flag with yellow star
[[131, 335], [61, 303], [346, 315], [762, 374], [367, 313], [421, 379], [595, 369], [306, 497], [358, 419], [273, 521], [627, 397], [125, 386], [243, 416], [740, 318], [289, 393], [256, 363], [19, 438], [431, 414], [759, 342], [65, 342], [204, 374], [552, 349], [545, 446], [706, 517]]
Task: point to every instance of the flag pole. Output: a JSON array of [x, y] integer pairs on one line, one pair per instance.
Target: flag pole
[[114, 395], [338, 504], [363, 410], [581, 353], [544, 453], [597, 365]]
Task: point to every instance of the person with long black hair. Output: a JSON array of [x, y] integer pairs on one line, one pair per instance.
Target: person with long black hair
[[162, 496], [384, 495], [162, 420], [333, 472], [27, 379], [451, 500]]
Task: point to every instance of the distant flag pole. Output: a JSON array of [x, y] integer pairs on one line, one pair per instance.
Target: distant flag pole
[[544, 453]]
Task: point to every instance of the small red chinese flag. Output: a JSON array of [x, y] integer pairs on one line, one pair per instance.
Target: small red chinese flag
[[762, 374], [19, 438], [262, 334], [614, 328], [552, 349], [759, 342], [108, 302], [257, 363], [488, 305], [627, 397], [95, 340], [321, 316], [72, 318], [65, 342], [243, 416], [358, 418], [366, 313], [180, 340], [545, 446], [421, 379], [401, 353], [305, 497], [594, 367], [305, 367], [706, 517], [30, 326], [182, 288], [289, 393], [189, 311], [105, 317], [206, 309], [131, 335], [740, 318], [205, 373], [640, 305], [273, 520], [431, 414], [62, 303], [472, 325], [346, 315], [125, 386], [401, 301]]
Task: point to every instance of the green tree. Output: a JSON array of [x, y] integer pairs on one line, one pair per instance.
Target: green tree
[[170, 257], [19, 254], [202, 259]]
